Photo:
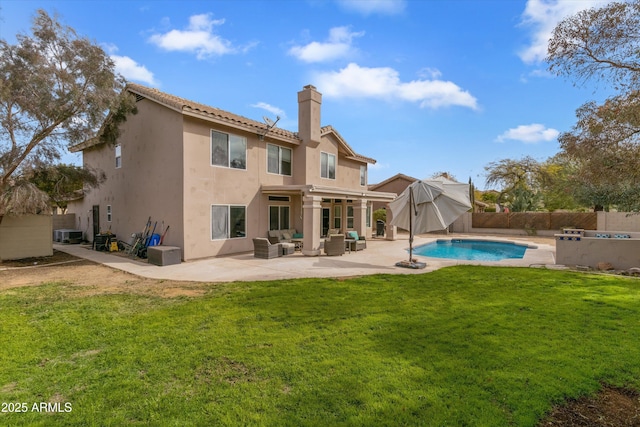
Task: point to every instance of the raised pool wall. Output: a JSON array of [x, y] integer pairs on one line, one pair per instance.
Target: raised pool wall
[[621, 249], [606, 221]]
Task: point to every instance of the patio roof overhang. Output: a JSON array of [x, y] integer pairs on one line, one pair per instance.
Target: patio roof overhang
[[328, 192]]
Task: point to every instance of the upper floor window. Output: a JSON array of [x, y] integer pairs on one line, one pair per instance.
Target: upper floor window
[[228, 150], [118, 156], [363, 175], [278, 160], [328, 165]]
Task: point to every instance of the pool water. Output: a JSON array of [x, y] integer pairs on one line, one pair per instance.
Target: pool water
[[478, 250]]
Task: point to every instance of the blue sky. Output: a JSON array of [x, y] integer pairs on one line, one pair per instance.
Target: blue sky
[[422, 86]]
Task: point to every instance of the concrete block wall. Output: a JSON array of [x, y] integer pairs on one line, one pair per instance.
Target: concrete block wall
[[65, 221], [26, 236], [607, 221], [618, 221]]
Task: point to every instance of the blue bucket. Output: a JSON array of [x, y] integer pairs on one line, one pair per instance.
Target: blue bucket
[[154, 240]]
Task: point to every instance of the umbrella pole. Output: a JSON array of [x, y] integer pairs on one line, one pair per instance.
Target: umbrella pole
[[411, 209], [410, 263]]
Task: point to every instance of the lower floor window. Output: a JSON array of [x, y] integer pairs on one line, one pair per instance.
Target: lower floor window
[[228, 221], [350, 217], [279, 217]]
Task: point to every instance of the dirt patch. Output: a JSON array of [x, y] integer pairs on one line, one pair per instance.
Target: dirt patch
[[89, 278], [613, 406]]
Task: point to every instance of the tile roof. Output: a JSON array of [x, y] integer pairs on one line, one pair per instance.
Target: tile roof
[[206, 112], [186, 106]]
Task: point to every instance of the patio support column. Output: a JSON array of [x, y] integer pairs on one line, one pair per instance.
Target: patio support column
[[391, 231], [360, 217], [311, 208]]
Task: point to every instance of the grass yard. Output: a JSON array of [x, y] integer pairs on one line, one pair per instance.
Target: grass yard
[[460, 346]]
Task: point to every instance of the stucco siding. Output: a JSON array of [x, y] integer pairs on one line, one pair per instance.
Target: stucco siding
[[26, 236], [149, 181], [206, 185]]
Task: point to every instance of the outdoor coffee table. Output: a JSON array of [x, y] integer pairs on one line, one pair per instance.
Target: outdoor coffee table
[[347, 244], [298, 243]]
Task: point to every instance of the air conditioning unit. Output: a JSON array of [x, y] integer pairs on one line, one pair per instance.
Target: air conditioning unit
[[67, 236]]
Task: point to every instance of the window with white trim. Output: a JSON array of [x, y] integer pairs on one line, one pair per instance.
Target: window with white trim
[[349, 217], [327, 165], [279, 217], [228, 222], [363, 175], [228, 150], [337, 217], [278, 160], [118, 149]]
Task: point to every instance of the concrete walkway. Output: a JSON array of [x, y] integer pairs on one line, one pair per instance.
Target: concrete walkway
[[379, 257]]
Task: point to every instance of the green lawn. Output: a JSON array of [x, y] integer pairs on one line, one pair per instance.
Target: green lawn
[[460, 346]]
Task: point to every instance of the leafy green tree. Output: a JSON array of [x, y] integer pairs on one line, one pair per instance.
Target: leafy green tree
[[517, 180], [603, 45], [558, 184], [56, 89], [525, 200], [380, 215], [63, 183], [604, 145]]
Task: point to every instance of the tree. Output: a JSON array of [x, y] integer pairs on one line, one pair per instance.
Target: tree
[[445, 175], [63, 183], [558, 186], [604, 45], [599, 44], [56, 89], [605, 147], [518, 181]]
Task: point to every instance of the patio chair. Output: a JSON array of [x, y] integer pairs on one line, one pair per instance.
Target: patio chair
[[359, 242], [262, 248], [334, 245]]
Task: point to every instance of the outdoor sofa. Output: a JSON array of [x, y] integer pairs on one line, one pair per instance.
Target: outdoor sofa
[[279, 236]]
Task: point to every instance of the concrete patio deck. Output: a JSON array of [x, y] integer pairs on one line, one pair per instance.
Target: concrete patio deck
[[379, 257]]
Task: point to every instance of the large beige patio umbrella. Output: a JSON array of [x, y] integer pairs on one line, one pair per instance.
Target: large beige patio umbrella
[[428, 205]]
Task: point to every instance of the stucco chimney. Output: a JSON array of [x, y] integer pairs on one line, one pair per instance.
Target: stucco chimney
[[309, 101]]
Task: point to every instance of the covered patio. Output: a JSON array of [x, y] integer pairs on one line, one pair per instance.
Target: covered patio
[[325, 208]]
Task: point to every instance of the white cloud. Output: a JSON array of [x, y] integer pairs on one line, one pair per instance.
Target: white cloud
[[368, 7], [198, 38], [362, 82], [338, 45], [431, 73], [529, 134], [270, 108], [131, 70], [542, 16]]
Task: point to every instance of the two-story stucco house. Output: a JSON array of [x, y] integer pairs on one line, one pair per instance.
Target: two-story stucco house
[[219, 179]]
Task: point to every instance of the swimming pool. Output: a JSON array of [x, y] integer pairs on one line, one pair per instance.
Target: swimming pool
[[477, 250]]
